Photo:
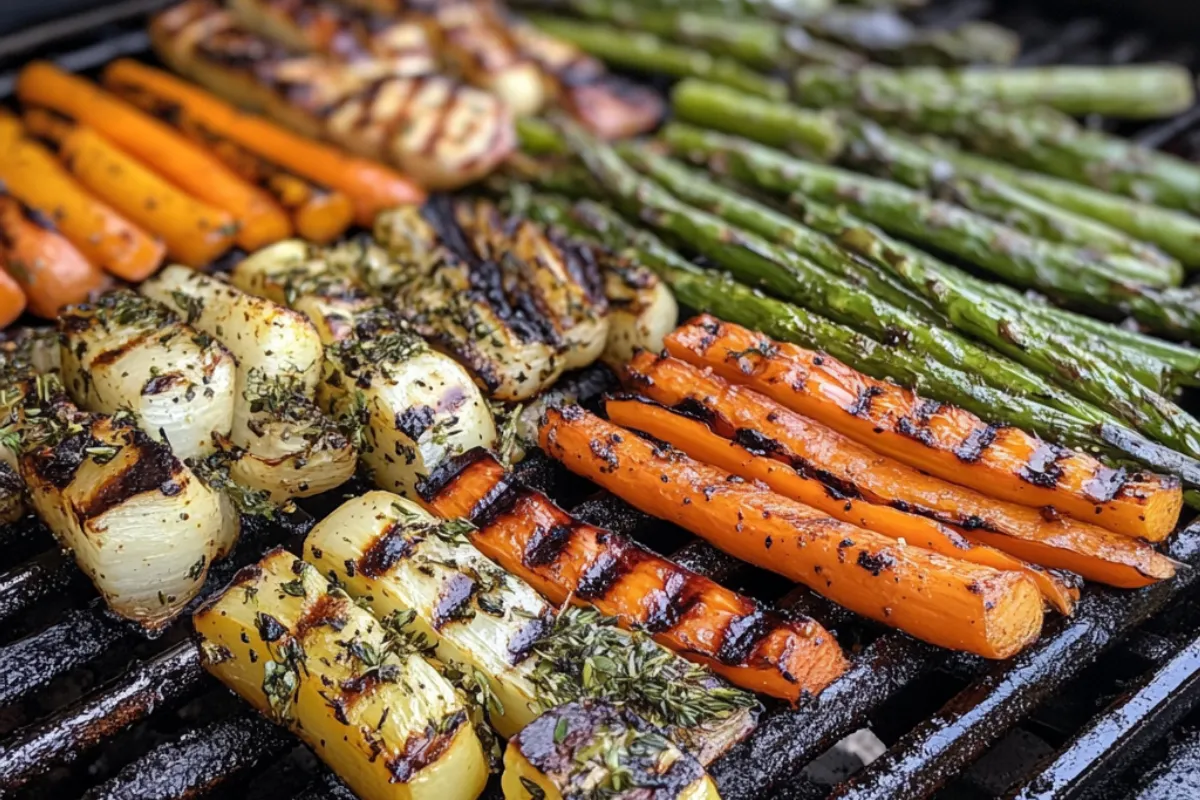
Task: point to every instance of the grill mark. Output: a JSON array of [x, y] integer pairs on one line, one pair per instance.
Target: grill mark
[[161, 383], [327, 610], [861, 407], [152, 468], [448, 472], [918, 430], [414, 421], [112, 356], [976, 443], [1105, 484], [454, 600], [1042, 468], [741, 635], [546, 545], [425, 748], [389, 549], [970, 522], [521, 644], [669, 604], [603, 573]]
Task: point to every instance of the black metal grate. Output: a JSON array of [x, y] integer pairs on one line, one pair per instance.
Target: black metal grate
[[1105, 705]]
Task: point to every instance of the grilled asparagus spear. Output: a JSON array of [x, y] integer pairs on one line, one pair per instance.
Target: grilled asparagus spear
[[888, 38]]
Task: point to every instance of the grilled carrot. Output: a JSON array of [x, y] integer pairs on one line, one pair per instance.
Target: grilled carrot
[[193, 232], [31, 173], [372, 187], [10, 128], [565, 559], [260, 220], [12, 300], [696, 440], [948, 442], [848, 469], [47, 267], [943, 601]]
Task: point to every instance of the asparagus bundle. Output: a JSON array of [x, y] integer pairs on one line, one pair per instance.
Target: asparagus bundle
[[1136, 91], [645, 52], [889, 38]]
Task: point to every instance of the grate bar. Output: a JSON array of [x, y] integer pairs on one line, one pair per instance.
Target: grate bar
[[40, 577], [30, 663], [1176, 777]]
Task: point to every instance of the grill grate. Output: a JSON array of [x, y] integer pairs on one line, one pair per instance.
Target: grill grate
[[89, 707]]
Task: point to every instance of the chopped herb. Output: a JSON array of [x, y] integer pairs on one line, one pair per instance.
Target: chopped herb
[[294, 588], [197, 569], [561, 730], [192, 307], [535, 792]]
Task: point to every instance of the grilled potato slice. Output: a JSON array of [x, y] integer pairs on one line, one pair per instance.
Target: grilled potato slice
[[591, 749], [485, 623], [442, 133], [642, 311], [129, 352], [375, 711]]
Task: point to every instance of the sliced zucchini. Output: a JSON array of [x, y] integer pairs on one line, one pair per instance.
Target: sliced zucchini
[[375, 711], [591, 749]]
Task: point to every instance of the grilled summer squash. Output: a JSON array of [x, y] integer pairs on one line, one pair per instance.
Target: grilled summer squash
[[377, 713], [126, 351], [493, 627], [591, 749]]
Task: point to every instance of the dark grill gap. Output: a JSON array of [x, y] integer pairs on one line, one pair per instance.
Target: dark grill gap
[[157, 727]]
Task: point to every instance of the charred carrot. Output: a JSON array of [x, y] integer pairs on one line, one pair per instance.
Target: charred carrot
[[948, 442], [260, 221], [372, 187], [33, 175], [12, 300], [696, 440], [851, 470], [947, 602], [48, 268], [194, 232], [566, 559]]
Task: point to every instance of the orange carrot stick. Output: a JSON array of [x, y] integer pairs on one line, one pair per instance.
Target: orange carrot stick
[[260, 220], [12, 300], [47, 267], [850, 469], [947, 602], [943, 440], [372, 187], [33, 175], [194, 232]]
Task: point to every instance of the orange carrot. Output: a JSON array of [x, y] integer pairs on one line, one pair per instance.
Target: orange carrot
[[33, 175], [698, 441], [194, 232], [372, 187], [12, 300], [849, 469], [260, 220], [47, 267], [943, 440], [784, 658], [947, 602]]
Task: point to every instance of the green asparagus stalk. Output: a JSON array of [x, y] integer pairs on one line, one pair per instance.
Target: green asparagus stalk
[[888, 38], [1034, 137], [1137, 91], [778, 10], [645, 52], [1175, 233], [1066, 273]]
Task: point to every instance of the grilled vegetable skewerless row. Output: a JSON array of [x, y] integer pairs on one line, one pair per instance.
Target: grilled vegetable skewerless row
[[587, 565]]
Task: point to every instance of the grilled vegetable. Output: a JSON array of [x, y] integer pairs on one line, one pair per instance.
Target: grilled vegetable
[[194, 232], [496, 631], [890, 38], [642, 311], [442, 133], [260, 220], [128, 352], [372, 187], [946, 602], [290, 448], [853, 474], [108, 240], [140, 524], [585, 749], [945, 441], [784, 658], [12, 495], [371, 707], [48, 268], [12, 298]]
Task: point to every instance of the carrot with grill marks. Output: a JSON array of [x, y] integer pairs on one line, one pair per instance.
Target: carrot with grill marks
[[12, 300], [696, 440], [947, 602], [851, 470], [953, 444], [194, 232], [372, 187], [566, 559], [260, 221]]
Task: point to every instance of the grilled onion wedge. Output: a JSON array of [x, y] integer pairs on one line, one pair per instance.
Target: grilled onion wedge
[[127, 351], [140, 524], [592, 749], [642, 311], [285, 446], [485, 623], [377, 713]]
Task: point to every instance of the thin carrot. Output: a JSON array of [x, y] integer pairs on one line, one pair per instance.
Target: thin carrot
[[948, 442], [372, 187], [849, 469], [194, 232], [694, 438], [12, 300], [260, 220], [943, 601], [47, 267], [33, 175], [784, 658]]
